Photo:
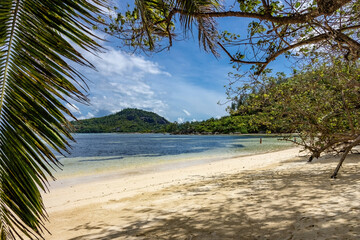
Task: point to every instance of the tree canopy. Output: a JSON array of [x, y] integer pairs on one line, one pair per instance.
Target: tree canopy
[[319, 104], [289, 28], [316, 30], [128, 120]]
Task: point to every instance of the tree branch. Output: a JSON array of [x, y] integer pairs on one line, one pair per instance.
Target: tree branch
[[238, 60], [296, 18], [347, 150], [272, 57]]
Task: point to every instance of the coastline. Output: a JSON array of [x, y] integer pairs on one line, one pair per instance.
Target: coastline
[[153, 167], [157, 151], [108, 208], [133, 181]]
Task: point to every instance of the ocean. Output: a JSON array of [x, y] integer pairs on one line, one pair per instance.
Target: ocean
[[110, 153]]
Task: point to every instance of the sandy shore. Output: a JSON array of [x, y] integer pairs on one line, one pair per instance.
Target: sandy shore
[[268, 196]]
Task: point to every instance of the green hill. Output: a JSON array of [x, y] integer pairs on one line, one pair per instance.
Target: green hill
[[126, 121]]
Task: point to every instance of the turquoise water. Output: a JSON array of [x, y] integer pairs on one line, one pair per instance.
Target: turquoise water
[[101, 153]]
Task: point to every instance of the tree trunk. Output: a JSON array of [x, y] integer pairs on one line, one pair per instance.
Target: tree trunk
[[348, 149]]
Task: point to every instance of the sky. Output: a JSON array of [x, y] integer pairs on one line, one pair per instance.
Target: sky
[[182, 84]]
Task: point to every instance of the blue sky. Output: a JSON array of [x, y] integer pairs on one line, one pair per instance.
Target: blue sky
[[183, 84]]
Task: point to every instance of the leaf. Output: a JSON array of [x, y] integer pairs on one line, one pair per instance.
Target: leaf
[[36, 78]]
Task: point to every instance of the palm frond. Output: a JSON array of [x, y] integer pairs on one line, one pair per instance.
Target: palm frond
[[191, 7], [207, 33], [151, 13], [146, 14], [36, 49]]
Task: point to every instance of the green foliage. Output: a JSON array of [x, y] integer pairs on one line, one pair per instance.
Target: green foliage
[[321, 100], [276, 28], [37, 41], [224, 125], [127, 121], [149, 22], [320, 104], [139, 121]]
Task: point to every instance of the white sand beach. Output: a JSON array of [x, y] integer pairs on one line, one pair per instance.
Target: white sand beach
[[275, 195]]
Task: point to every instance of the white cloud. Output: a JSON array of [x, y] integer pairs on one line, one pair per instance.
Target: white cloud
[[128, 81], [186, 112], [304, 5], [180, 120], [109, 11], [199, 101], [122, 81], [73, 108], [115, 62], [89, 115]]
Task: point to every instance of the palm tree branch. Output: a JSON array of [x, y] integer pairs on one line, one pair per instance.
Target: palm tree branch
[[36, 56], [8, 53]]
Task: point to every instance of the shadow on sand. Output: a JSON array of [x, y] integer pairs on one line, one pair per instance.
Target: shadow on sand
[[270, 204]]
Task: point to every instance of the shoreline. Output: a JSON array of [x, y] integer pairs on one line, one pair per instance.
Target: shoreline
[[217, 200], [196, 134], [134, 181], [149, 168]]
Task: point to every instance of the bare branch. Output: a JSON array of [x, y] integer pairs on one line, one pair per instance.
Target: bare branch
[[272, 57], [238, 60]]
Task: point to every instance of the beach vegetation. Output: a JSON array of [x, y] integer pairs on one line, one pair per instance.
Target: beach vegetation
[[224, 125], [318, 101], [319, 104], [140, 121], [290, 29], [37, 78]]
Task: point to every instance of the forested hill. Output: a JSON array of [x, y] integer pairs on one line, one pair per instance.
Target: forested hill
[[126, 121], [139, 121]]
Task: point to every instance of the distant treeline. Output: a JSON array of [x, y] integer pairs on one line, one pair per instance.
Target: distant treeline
[[139, 121], [126, 121], [224, 125]]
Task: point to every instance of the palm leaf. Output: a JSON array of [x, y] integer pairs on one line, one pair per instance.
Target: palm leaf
[[36, 78], [194, 6], [146, 15], [208, 35], [149, 11]]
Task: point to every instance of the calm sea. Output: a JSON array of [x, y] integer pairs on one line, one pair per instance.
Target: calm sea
[[102, 153]]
